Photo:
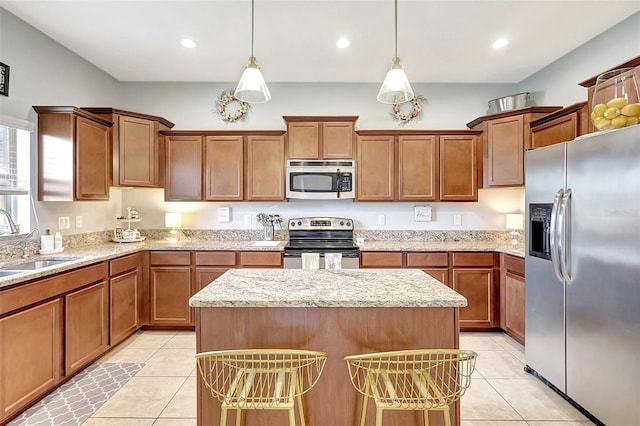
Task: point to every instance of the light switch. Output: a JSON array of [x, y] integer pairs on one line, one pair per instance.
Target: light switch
[[247, 219], [78, 221], [457, 219], [381, 219]]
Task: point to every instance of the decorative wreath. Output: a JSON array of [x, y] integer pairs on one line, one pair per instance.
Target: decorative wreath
[[226, 98], [416, 113]]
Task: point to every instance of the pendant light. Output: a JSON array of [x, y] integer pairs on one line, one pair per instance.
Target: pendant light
[[251, 87], [395, 87]]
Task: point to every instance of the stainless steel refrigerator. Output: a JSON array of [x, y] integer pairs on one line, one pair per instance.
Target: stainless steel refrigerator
[[582, 268]]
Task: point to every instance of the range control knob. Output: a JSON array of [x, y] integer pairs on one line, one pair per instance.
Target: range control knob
[[348, 223], [299, 223], [292, 224], [341, 223]]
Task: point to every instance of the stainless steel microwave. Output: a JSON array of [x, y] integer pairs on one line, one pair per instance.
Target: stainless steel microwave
[[321, 179]]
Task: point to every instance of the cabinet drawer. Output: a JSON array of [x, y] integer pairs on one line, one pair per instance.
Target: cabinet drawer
[[182, 258], [260, 259], [419, 260], [514, 264], [215, 258], [381, 259], [124, 264], [472, 259]]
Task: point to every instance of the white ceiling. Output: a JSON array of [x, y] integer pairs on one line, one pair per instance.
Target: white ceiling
[[438, 40]]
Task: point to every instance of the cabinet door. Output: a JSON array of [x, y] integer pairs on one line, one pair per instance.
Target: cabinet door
[[204, 276], [458, 168], [337, 140], [440, 274], [183, 173], [137, 152], [224, 168], [265, 168], [93, 160], [123, 298], [417, 168], [376, 168], [512, 317], [562, 129], [304, 140], [30, 354], [505, 151], [260, 259], [170, 292], [86, 326], [477, 285]]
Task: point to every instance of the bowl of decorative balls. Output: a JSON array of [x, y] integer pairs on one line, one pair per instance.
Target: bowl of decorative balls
[[616, 102]]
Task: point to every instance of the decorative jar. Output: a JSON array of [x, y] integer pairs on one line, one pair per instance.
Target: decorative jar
[[616, 102]]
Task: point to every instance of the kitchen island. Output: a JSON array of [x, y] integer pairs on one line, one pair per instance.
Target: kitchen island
[[341, 312]]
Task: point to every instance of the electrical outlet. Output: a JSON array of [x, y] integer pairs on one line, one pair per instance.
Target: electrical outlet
[[247, 219], [457, 219], [63, 222], [78, 221], [381, 219]]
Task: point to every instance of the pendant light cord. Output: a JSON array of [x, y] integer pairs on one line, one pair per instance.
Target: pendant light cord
[[252, 24], [396, 28]]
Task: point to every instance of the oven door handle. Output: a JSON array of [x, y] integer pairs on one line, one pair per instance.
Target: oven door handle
[[339, 182]]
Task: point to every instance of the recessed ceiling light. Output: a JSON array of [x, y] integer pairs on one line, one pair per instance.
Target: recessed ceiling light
[[188, 43], [500, 43], [342, 43]]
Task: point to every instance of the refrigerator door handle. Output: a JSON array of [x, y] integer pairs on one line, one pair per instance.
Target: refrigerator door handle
[[564, 219], [553, 235]]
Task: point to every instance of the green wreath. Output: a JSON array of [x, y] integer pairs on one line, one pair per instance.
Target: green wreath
[[226, 98], [416, 112]]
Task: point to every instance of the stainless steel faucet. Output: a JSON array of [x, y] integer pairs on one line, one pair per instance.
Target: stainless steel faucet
[[25, 248], [12, 225]]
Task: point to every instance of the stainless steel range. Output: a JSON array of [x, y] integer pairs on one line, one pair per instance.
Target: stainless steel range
[[321, 235]]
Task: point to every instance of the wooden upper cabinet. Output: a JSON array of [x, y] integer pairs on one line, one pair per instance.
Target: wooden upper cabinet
[[458, 168], [506, 136], [375, 168], [183, 170], [74, 155], [417, 168], [560, 126], [224, 165], [505, 151], [318, 138], [265, 174], [138, 147]]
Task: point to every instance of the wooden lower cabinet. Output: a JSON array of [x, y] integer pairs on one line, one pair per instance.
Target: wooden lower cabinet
[[86, 326], [434, 264], [512, 297], [30, 355], [124, 297], [381, 259], [260, 259], [473, 275], [170, 293]]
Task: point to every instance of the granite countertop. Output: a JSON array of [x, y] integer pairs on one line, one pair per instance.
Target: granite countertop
[[323, 288], [87, 255]]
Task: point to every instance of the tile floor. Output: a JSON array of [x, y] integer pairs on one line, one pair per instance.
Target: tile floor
[[163, 392]]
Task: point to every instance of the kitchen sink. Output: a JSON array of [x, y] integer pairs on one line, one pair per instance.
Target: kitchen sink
[[8, 273], [37, 264]]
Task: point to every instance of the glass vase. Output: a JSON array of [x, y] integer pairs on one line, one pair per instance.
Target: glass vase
[[615, 100]]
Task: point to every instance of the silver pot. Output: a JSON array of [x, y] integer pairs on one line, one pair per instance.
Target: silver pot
[[507, 103]]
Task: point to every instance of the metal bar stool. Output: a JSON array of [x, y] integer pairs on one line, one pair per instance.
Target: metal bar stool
[[430, 379], [267, 379]]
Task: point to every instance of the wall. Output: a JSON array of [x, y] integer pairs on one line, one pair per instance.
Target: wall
[[43, 72]]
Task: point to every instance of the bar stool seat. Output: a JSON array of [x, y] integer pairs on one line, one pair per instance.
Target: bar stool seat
[[267, 379], [429, 379]]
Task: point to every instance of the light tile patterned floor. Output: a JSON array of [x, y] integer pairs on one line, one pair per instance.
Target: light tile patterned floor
[[163, 392]]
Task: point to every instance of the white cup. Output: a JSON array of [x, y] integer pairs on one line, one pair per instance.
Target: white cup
[[310, 260]]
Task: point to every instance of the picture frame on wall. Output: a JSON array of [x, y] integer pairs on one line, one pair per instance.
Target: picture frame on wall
[[4, 79]]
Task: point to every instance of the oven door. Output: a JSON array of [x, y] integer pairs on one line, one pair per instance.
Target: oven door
[[294, 261]]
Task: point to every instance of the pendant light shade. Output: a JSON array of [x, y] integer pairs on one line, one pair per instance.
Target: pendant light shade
[[395, 87], [252, 88]]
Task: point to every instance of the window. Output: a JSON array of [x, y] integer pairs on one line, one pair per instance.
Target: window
[[15, 195]]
